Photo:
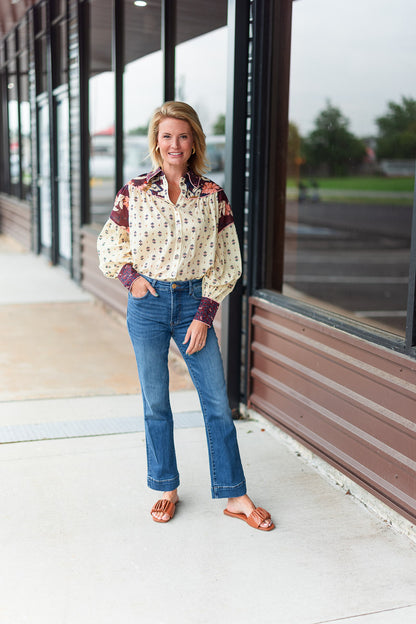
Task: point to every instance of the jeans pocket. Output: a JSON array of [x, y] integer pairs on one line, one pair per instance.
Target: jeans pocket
[[140, 298], [197, 292]]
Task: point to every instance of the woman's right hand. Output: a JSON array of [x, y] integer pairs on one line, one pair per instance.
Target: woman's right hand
[[140, 287]]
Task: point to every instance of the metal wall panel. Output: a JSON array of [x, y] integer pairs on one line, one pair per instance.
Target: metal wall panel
[[15, 219], [350, 401]]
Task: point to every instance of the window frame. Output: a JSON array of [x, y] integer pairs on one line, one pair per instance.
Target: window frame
[[8, 57], [267, 198], [267, 194]]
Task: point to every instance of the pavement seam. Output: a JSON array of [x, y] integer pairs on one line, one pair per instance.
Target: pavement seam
[[361, 615]]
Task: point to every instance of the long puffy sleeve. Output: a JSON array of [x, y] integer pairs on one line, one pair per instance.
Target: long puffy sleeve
[[222, 276], [113, 244]]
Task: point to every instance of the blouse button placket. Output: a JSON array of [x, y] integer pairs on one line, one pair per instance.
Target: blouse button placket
[[179, 235]]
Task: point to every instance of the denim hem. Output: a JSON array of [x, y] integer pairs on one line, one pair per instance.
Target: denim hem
[[165, 485], [226, 491]]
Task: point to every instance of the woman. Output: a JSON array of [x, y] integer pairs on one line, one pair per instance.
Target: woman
[[172, 242]]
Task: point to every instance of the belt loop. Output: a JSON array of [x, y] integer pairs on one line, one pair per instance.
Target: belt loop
[[153, 282], [190, 287]]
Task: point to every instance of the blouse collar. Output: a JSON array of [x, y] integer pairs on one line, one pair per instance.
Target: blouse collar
[[190, 177]]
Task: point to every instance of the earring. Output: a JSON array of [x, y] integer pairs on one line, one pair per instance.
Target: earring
[[193, 151], [157, 148]]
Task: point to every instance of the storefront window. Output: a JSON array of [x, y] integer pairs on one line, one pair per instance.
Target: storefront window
[[63, 177], [16, 167], [40, 48], [3, 141], [44, 175], [44, 179], [58, 9], [142, 82], [60, 54], [24, 104], [59, 42], [102, 111], [351, 158], [13, 117], [201, 72]]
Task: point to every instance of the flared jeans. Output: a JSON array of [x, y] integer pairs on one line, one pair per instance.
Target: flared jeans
[[152, 322]]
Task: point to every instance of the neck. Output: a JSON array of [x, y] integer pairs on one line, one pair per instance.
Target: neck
[[174, 174]]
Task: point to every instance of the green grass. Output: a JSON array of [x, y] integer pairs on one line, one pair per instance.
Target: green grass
[[357, 183], [368, 200]]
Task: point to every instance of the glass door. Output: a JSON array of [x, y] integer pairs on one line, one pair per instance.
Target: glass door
[[63, 179], [44, 176]]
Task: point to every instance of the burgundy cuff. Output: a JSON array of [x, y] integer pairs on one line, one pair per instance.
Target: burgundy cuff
[[206, 311], [127, 275]]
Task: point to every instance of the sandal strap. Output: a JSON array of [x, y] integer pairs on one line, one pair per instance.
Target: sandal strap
[[164, 506], [257, 517]]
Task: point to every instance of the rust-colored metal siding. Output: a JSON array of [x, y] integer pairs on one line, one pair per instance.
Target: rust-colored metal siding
[[15, 219], [350, 401]]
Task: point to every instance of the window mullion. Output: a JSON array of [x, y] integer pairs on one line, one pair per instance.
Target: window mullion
[[411, 299]]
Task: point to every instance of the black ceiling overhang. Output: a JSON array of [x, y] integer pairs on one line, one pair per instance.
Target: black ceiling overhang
[[142, 25]]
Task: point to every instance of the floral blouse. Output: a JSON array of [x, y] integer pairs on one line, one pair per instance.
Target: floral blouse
[[195, 238]]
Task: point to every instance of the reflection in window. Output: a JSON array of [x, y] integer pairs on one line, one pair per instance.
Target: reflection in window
[[60, 53], [40, 51], [143, 82], [25, 126], [44, 182], [201, 54], [13, 129], [102, 111], [13, 118], [17, 136], [352, 145], [59, 42]]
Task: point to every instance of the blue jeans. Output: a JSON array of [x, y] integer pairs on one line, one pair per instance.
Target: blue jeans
[[151, 322]]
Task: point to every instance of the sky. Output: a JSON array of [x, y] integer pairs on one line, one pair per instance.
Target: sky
[[358, 54]]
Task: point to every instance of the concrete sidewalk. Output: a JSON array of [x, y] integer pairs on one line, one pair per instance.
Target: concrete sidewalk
[[78, 542]]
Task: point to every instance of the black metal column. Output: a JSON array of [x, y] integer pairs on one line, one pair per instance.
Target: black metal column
[[270, 104], [236, 136], [259, 145], [4, 139], [52, 140], [168, 47], [281, 36], [84, 68], [118, 65], [411, 299], [19, 118]]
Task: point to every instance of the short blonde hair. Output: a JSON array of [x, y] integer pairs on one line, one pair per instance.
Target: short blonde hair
[[179, 110]]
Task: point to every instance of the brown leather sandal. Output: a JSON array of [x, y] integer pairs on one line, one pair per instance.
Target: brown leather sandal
[[255, 519], [163, 506]]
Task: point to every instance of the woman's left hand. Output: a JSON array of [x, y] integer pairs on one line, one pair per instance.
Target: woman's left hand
[[197, 337]]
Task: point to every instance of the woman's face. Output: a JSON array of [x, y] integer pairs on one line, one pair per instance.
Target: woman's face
[[175, 142]]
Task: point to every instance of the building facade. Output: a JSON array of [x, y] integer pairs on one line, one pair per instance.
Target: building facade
[[319, 336]]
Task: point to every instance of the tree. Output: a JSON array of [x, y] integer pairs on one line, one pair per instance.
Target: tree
[[219, 127], [140, 130], [331, 144], [294, 157], [397, 130]]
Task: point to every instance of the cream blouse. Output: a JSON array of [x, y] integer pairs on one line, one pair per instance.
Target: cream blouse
[[195, 238]]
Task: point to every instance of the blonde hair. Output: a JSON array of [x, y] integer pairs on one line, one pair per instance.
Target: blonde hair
[[179, 110]]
